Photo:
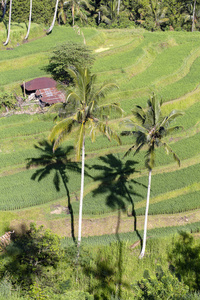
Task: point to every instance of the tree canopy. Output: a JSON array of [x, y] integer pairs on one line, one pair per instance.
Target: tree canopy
[[150, 14]]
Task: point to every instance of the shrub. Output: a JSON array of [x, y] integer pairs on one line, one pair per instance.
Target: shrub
[[68, 54], [159, 286]]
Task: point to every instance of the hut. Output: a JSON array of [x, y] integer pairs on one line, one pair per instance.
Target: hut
[[44, 89]]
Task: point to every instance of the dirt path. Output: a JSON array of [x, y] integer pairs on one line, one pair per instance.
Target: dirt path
[[108, 224]]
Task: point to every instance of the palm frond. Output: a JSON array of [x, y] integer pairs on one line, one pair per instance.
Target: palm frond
[[129, 151], [104, 90], [172, 129], [172, 116], [169, 150], [139, 113], [107, 108], [92, 126], [60, 131], [108, 132]]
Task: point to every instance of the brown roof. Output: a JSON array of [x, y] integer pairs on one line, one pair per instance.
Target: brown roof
[[40, 83], [51, 95]]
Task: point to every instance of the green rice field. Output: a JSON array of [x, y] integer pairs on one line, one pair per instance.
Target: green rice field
[[140, 62]]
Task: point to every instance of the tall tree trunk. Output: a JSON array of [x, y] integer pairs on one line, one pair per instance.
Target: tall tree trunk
[[81, 193], [118, 7], [29, 22], [54, 18], [194, 8], [4, 8], [73, 14], [9, 22], [146, 217]]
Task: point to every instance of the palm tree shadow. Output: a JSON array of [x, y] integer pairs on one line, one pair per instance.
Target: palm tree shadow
[[114, 180], [55, 161]]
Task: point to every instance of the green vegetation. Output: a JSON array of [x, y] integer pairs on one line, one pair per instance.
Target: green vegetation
[[110, 268], [115, 187]]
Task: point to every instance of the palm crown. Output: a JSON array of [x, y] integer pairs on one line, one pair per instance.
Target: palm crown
[[83, 110], [151, 128]]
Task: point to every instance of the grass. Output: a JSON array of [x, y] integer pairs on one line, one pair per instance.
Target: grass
[[140, 62]]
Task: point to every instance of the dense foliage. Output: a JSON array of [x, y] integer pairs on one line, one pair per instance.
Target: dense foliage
[[66, 55], [110, 271], [150, 14], [42, 11], [31, 251]]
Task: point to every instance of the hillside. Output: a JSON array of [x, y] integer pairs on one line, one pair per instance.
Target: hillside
[[140, 62]]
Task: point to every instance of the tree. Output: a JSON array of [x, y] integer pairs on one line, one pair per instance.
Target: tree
[[7, 101], [3, 7], [9, 23], [54, 18], [77, 7], [43, 11], [150, 131], [66, 55], [29, 23], [83, 117], [184, 259], [161, 285], [61, 13], [31, 253]]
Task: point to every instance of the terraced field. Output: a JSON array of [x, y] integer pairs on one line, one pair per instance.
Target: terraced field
[[166, 63]]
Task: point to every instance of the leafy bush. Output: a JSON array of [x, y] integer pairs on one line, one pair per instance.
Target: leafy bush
[[66, 55], [30, 254], [184, 258], [160, 286]]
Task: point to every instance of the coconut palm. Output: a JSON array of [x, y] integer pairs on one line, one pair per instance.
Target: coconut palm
[[118, 6], [29, 23], [77, 7], [3, 6], [54, 18], [9, 23], [150, 131], [83, 114], [61, 13]]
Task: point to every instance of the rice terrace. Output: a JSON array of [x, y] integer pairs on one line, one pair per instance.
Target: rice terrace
[[141, 63]]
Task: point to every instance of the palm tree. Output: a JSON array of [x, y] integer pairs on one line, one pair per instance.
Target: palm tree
[[118, 6], [193, 15], [61, 13], [77, 7], [86, 118], [29, 23], [54, 18], [3, 6], [9, 22], [149, 132]]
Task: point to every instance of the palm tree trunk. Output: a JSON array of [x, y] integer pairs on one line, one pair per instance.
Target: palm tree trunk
[[73, 14], [81, 193], [29, 23], [194, 8], [4, 9], [54, 18], [9, 22], [118, 7], [146, 217]]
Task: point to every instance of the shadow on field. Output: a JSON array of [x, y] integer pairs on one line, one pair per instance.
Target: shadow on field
[[56, 162], [114, 180], [106, 271], [184, 260]]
